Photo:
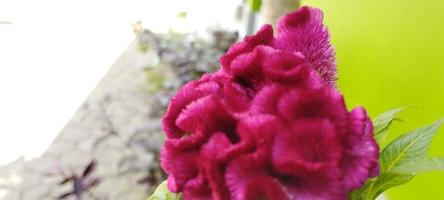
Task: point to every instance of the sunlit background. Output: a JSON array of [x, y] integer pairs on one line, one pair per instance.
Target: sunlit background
[[52, 53]]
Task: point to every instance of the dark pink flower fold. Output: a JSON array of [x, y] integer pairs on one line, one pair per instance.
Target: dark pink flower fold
[[301, 32]]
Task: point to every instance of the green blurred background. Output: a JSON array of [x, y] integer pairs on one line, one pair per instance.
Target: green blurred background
[[390, 53]]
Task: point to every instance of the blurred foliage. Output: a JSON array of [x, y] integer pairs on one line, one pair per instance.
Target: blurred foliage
[[255, 5], [182, 15], [390, 54], [81, 184], [181, 57]]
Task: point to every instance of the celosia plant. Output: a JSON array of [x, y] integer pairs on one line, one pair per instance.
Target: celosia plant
[[270, 124]]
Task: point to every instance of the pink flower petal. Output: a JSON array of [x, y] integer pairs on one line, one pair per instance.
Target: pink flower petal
[[236, 99], [303, 31], [205, 115], [317, 103], [307, 149], [263, 37], [181, 166], [361, 160], [249, 179]]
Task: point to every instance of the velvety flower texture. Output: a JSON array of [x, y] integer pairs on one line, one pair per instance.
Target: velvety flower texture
[[270, 123]]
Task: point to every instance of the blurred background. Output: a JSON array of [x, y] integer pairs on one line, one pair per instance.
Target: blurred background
[[67, 116], [390, 54]]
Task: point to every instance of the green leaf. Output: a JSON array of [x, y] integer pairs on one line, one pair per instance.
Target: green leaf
[[403, 151], [409, 147], [382, 123], [422, 165], [162, 193], [255, 5], [373, 188], [386, 181], [361, 193]]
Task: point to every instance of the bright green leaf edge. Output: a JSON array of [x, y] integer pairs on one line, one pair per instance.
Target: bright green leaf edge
[[162, 193], [382, 123], [422, 165], [408, 147], [402, 158]]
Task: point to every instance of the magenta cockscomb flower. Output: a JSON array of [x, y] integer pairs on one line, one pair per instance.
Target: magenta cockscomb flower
[[298, 32], [269, 124]]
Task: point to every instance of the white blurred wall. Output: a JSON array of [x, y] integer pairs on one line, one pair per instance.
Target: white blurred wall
[[54, 52]]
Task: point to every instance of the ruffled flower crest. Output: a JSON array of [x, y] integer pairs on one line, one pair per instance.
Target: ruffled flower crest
[[270, 123]]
